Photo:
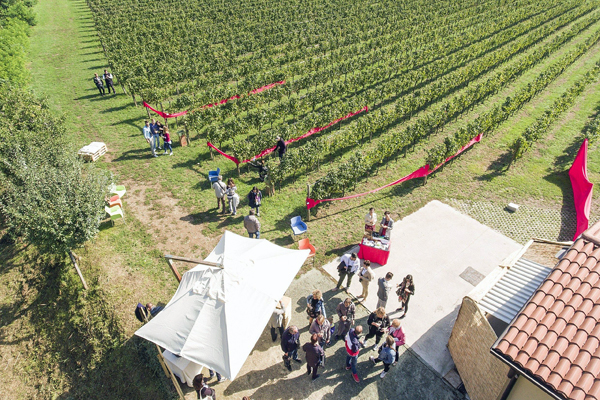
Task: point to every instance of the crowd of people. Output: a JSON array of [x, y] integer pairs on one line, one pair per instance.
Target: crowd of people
[[153, 131]]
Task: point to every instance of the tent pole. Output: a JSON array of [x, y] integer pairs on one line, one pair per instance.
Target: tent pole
[[170, 373], [174, 269]]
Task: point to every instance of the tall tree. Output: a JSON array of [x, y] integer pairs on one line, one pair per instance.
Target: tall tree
[[49, 197]]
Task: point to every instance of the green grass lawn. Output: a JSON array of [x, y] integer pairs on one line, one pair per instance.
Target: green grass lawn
[[170, 209]]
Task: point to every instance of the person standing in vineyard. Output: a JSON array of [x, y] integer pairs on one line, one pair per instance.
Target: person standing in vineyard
[[155, 128], [99, 84], [232, 196], [281, 147], [220, 190], [148, 136], [108, 78], [167, 141], [255, 199]]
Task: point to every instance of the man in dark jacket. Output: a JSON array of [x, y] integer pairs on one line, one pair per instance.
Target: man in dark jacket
[[353, 346], [314, 353], [281, 147], [345, 310], [108, 78], [99, 84], [289, 345]]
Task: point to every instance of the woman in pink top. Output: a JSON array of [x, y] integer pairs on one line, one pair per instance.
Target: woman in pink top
[[397, 333]]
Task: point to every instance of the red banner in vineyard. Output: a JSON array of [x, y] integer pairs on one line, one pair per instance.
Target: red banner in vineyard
[[419, 173], [307, 134], [237, 96], [582, 189]]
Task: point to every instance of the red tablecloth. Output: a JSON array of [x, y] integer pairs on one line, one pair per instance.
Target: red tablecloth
[[374, 255]]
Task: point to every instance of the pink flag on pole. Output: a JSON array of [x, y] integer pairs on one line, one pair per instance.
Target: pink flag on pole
[[582, 189]]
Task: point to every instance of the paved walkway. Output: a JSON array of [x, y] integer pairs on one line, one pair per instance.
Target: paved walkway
[[263, 376], [436, 245]]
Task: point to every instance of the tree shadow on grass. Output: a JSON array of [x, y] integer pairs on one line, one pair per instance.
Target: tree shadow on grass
[[498, 167], [136, 122], [118, 108], [78, 342], [135, 154]]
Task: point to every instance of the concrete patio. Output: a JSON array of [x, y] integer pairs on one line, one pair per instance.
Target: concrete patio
[[447, 253]]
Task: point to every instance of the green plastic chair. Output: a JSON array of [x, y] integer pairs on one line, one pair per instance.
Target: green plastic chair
[[119, 190], [115, 212]]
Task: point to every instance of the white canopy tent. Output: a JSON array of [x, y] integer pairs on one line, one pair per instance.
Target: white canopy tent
[[218, 313]]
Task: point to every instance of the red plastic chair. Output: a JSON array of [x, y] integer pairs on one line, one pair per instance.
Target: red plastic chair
[[305, 244], [115, 201]]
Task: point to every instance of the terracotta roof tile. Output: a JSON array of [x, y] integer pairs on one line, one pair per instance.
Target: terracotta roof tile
[[590, 263], [539, 313], [580, 339], [594, 391], [591, 344], [571, 353], [545, 287], [556, 274], [583, 359], [520, 321], [550, 338], [585, 382], [551, 360], [531, 346], [593, 366], [556, 337], [596, 254], [594, 293], [566, 295], [533, 364], [588, 249]]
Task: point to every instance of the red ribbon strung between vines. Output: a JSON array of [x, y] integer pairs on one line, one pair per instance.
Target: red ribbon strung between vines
[[419, 173], [163, 114], [237, 96], [307, 134]]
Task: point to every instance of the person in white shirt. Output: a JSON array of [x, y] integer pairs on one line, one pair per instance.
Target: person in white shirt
[[370, 220], [220, 190], [148, 136], [108, 78], [348, 266]]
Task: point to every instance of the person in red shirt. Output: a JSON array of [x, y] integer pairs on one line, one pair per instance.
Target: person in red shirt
[[167, 141]]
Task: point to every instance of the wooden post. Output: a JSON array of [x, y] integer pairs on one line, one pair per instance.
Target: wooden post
[[308, 196], [170, 259], [134, 100], [74, 261], [170, 374]]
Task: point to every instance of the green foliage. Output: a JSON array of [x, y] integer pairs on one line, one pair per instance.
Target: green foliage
[[13, 51], [541, 125], [50, 197], [591, 130]]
